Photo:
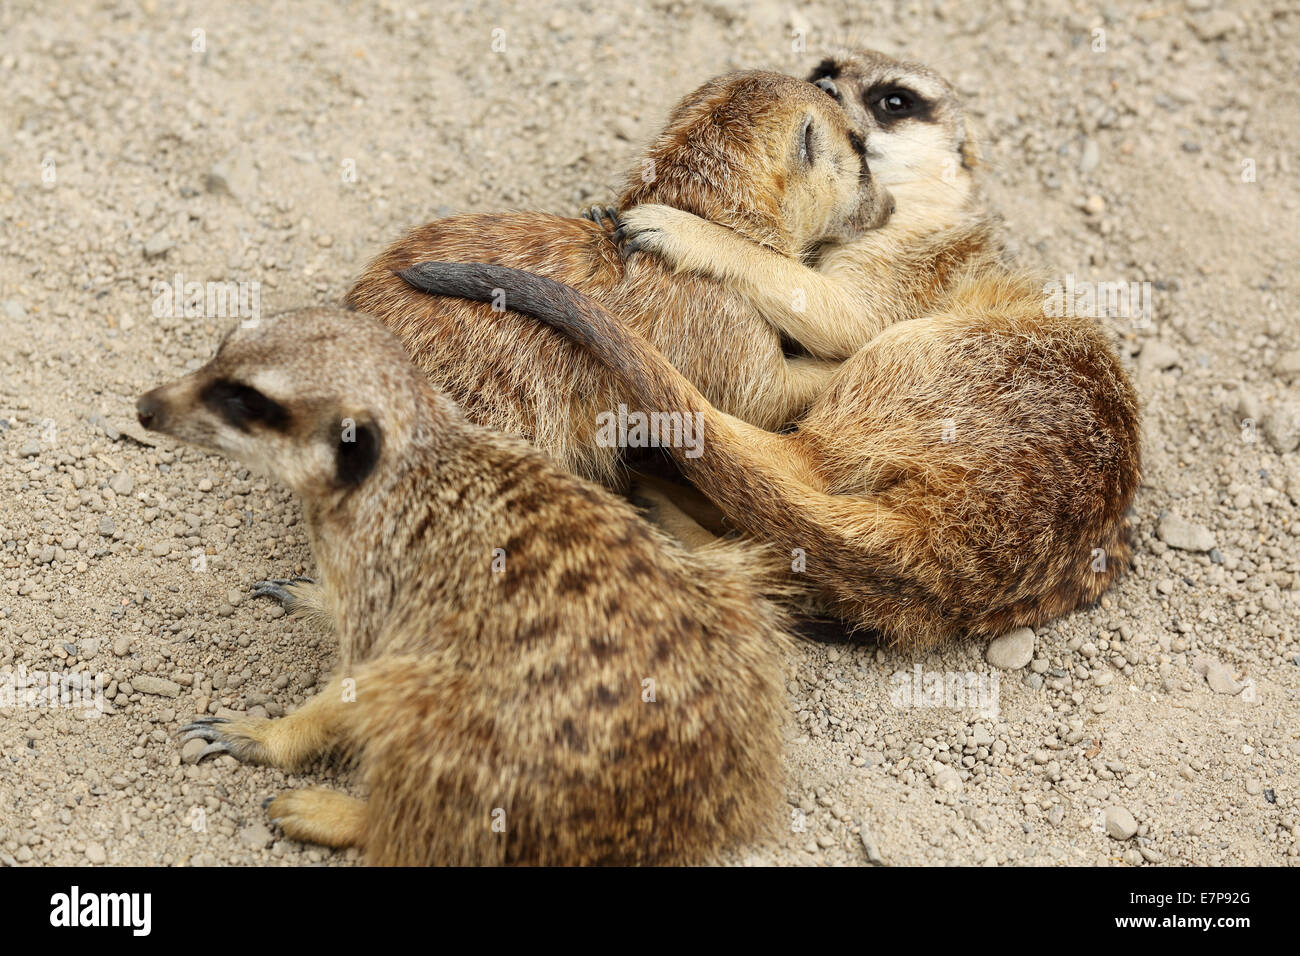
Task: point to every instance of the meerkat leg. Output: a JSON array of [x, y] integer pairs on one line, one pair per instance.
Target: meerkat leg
[[326, 817], [667, 515], [287, 742], [688, 499], [826, 317], [782, 453], [806, 379], [302, 598]]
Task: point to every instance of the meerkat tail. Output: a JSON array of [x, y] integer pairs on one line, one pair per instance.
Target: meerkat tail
[[569, 311], [756, 477], [650, 378]]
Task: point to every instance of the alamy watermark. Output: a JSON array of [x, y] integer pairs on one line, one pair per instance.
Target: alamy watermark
[[956, 690], [624, 429], [20, 688], [1095, 300], [208, 300]]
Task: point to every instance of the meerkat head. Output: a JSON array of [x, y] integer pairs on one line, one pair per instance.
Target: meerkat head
[[768, 155], [316, 398], [918, 141]]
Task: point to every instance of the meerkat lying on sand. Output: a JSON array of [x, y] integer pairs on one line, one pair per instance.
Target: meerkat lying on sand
[[529, 672]]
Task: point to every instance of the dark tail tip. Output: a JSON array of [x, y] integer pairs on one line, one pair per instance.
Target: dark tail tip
[[552, 302], [460, 279]]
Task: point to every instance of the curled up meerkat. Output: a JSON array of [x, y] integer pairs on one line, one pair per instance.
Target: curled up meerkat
[[529, 672], [921, 148], [967, 472], [766, 156]]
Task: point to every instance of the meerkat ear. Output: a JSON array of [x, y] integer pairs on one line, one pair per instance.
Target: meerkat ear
[[359, 442], [970, 147]]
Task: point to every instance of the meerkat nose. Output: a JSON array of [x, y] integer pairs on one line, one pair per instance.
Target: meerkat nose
[[148, 410]]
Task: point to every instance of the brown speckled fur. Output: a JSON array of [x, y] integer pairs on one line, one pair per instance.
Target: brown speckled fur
[[724, 156], [919, 538], [903, 532], [478, 690]]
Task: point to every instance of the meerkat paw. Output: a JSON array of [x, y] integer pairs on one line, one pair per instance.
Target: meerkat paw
[[285, 742], [242, 739], [301, 598], [665, 231], [326, 817], [604, 216]]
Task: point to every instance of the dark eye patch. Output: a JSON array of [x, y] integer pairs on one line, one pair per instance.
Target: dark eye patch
[[890, 103], [242, 405]]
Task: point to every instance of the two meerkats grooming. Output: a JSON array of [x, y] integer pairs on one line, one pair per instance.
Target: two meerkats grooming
[[760, 155]]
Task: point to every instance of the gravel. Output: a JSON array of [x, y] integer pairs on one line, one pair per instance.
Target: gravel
[[1120, 824], [1012, 650], [288, 161], [1184, 535]]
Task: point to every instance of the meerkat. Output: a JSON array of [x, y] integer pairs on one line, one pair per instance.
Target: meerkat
[[967, 472], [529, 672], [921, 149], [766, 156]]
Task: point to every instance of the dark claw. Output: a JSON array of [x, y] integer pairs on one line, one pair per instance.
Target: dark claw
[[618, 234], [202, 733], [827, 84], [275, 589], [219, 747], [630, 247], [201, 728], [267, 802], [600, 215]]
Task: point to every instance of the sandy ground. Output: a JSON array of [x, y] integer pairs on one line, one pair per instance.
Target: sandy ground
[[284, 147]]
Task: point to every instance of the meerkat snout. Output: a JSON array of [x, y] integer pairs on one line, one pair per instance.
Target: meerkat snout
[[148, 410]]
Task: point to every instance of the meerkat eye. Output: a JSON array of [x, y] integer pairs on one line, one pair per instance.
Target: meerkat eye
[[806, 141], [242, 405], [896, 103]]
